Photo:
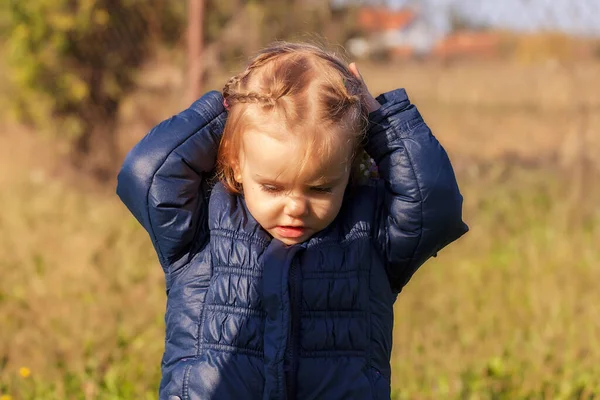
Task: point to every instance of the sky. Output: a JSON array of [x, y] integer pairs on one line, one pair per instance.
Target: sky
[[580, 17]]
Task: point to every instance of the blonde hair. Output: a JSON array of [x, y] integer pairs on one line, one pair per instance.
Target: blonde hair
[[310, 89]]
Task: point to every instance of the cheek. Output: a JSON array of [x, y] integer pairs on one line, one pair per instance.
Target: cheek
[[259, 203], [327, 209]]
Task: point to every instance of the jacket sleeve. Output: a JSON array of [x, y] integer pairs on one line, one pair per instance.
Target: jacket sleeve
[[420, 204], [163, 180]]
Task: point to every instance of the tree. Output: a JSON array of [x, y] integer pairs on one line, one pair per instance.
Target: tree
[[73, 61]]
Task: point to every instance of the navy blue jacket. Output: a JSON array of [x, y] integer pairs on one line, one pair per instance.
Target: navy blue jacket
[[250, 318]]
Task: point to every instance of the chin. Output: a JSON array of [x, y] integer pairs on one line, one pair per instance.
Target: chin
[[292, 241]]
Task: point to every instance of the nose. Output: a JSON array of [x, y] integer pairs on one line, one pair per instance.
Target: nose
[[296, 206]]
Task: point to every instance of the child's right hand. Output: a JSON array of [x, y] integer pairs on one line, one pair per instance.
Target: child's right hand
[[367, 97]]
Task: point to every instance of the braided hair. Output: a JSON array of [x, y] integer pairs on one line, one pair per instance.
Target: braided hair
[[305, 86]]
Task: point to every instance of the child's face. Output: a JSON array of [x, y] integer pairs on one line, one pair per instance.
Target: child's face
[[290, 206]]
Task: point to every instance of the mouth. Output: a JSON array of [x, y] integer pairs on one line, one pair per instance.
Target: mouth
[[290, 232]]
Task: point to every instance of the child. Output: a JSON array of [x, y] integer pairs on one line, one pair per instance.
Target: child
[[281, 277]]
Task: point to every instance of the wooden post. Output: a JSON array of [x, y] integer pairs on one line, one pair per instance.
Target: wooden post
[[195, 42]]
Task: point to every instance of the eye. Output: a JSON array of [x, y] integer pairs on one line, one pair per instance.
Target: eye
[[322, 189], [270, 188]]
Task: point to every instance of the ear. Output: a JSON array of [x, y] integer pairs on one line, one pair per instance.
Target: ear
[[237, 172]]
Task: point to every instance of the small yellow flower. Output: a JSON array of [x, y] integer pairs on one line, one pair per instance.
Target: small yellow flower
[[6, 397], [24, 372]]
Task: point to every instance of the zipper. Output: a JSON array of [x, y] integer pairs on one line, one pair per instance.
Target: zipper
[[293, 344]]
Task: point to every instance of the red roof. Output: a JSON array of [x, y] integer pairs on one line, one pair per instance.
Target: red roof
[[382, 19], [468, 43]]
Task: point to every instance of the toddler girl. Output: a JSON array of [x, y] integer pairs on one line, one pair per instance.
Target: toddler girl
[[281, 277]]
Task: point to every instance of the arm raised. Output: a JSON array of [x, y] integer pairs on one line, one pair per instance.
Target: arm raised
[[163, 180], [421, 210]]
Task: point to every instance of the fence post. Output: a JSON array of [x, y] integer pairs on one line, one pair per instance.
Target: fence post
[[195, 42]]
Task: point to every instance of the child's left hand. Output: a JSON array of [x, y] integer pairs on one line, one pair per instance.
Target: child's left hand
[[371, 103]]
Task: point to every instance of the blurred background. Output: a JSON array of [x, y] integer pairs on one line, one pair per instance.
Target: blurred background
[[511, 88]]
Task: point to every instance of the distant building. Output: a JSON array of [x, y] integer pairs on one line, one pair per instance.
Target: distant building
[[408, 33], [464, 44], [403, 33]]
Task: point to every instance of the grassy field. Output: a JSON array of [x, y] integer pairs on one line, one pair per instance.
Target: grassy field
[[508, 312]]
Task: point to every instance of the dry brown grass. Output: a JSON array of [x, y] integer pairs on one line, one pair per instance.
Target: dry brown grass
[[507, 312], [480, 110]]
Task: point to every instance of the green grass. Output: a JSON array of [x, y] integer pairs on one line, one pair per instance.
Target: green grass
[[508, 312]]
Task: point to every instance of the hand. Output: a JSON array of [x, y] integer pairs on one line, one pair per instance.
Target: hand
[[370, 102]]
